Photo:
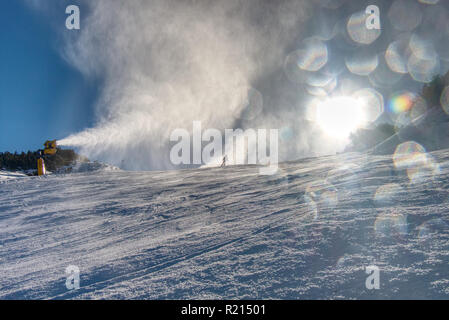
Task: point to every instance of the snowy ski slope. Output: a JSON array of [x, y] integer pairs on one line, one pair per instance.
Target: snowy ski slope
[[307, 232]]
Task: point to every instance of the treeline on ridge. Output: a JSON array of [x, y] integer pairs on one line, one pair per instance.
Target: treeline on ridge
[[27, 161]]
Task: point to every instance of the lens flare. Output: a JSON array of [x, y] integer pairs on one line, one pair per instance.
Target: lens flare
[[316, 91], [429, 1], [444, 100], [383, 76], [388, 194], [401, 102], [442, 48], [412, 115], [422, 48], [396, 56], [419, 108], [362, 63], [319, 79], [312, 54], [358, 31], [424, 171], [323, 90], [408, 155], [346, 174], [391, 225], [423, 70], [320, 196], [431, 229], [419, 165], [373, 102], [405, 15]]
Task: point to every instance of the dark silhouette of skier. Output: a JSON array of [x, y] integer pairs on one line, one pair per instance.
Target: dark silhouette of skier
[[223, 164]]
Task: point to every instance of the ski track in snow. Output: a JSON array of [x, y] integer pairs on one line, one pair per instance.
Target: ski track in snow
[[307, 232]]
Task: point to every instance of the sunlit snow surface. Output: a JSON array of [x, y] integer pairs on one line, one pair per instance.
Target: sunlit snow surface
[[308, 232], [5, 175]]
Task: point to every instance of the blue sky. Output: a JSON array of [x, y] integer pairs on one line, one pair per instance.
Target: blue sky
[[41, 96]]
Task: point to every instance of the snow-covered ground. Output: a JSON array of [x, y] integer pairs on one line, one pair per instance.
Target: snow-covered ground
[[7, 175], [307, 232]]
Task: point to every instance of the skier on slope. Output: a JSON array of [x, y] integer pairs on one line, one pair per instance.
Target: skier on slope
[[223, 164]]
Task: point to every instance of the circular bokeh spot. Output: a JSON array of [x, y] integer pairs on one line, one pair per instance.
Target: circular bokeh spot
[[391, 225], [419, 165], [423, 171], [388, 194], [383, 76], [422, 48], [373, 103], [396, 56], [312, 55], [362, 63], [405, 15], [357, 30], [409, 154], [423, 70]]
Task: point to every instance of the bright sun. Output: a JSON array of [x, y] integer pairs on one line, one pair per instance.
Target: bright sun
[[340, 116]]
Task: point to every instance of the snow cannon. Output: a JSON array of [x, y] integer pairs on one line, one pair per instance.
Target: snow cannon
[[41, 167], [50, 147]]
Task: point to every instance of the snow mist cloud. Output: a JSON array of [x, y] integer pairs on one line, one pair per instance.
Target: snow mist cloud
[[167, 63]]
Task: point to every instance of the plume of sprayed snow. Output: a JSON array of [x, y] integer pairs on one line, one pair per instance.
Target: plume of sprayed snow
[[167, 63]]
